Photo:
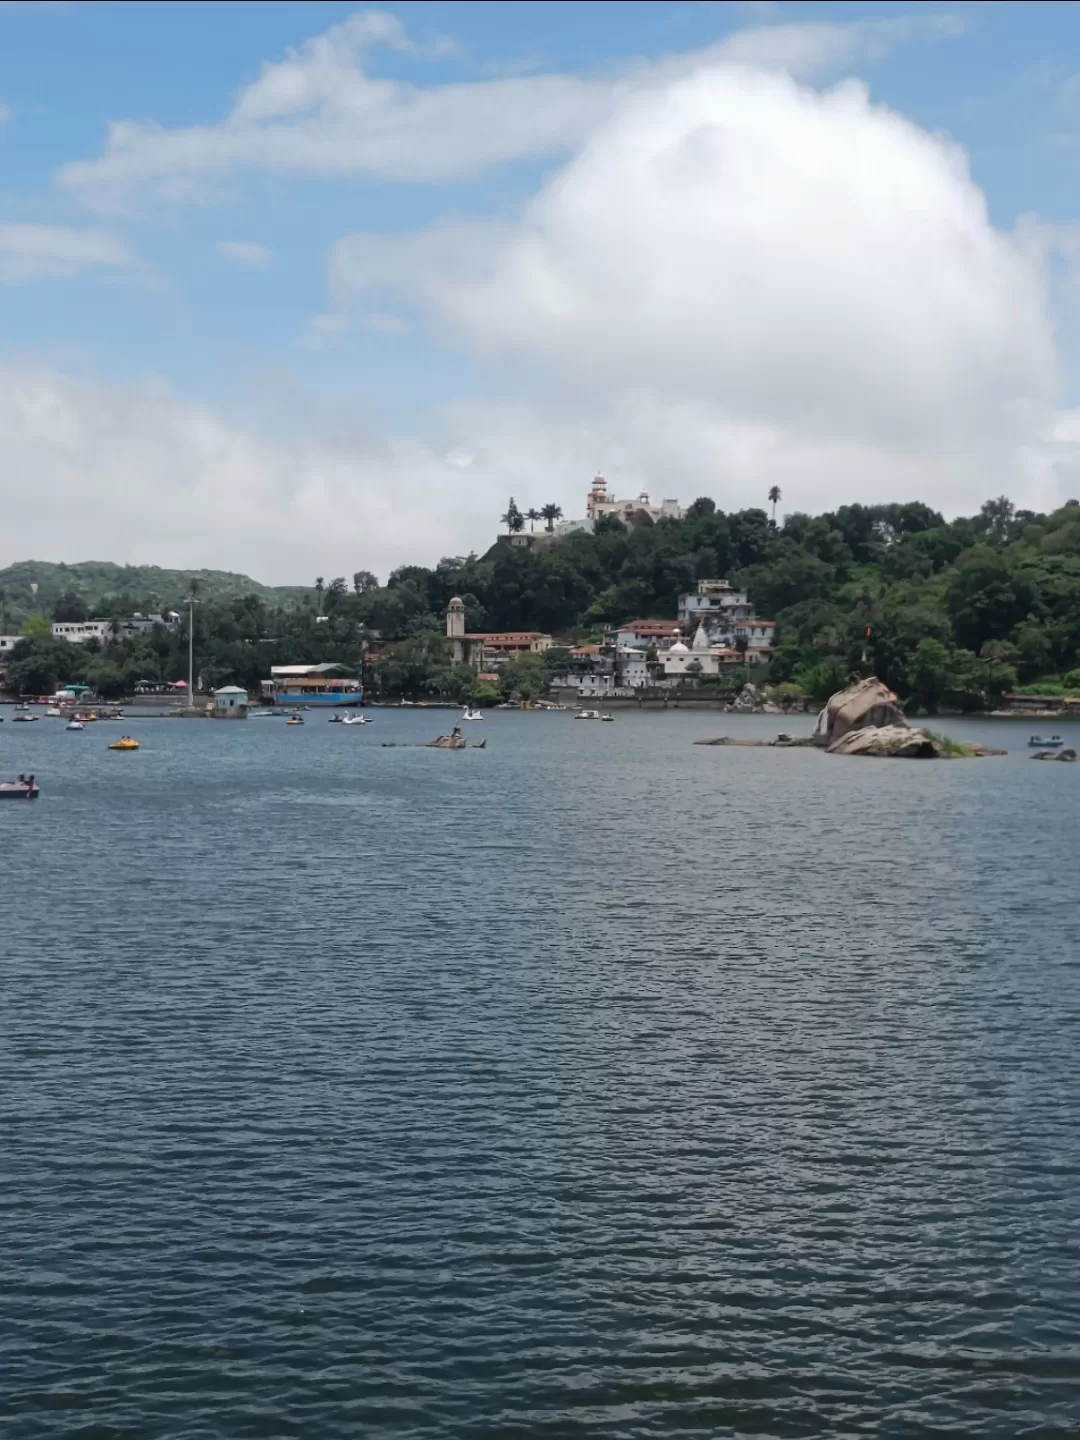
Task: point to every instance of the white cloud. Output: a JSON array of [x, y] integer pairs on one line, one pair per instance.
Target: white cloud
[[736, 281], [246, 252], [384, 322], [740, 281], [28, 252], [138, 471], [326, 331], [320, 112]]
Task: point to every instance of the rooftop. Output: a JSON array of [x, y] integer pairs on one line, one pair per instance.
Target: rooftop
[[327, 668]]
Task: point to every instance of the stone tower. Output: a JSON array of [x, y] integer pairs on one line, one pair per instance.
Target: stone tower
[[455, 630]]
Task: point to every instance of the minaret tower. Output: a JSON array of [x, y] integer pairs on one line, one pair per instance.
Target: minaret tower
[[455, 629]]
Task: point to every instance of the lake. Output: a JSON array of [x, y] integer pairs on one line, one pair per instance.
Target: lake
[[593, 1084]]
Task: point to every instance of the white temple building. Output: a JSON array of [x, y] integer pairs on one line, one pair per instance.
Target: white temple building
[[678, 658]]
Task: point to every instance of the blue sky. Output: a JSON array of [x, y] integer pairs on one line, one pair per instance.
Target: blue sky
[[344, 278]]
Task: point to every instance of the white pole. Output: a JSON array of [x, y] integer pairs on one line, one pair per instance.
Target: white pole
[[191, 651]]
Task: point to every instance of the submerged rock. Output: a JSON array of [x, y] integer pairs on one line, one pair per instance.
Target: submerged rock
[[1067, 755]]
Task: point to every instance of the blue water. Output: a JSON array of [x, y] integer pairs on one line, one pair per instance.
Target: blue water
[[592, 1084]]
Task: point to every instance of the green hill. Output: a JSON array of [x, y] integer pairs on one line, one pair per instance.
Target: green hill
[[103, 584]]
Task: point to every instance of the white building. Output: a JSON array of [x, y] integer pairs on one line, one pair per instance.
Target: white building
[[728, 616], [758, 634], [600, 502], [715, 602], [641, 634], [700, 658], [78, 632]]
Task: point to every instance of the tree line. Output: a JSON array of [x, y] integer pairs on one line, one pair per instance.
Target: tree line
[[948, 613]]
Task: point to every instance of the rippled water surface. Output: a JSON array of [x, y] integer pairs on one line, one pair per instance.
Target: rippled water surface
[[592, 1084]]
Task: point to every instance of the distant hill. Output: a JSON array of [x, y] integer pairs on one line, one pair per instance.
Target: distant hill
[[147, 587]]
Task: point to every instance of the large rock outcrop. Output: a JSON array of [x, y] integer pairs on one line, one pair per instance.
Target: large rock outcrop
[[897, 741], [868, 703], [866, 719]]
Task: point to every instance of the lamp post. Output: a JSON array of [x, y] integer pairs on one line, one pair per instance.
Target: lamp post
[[191, 651]]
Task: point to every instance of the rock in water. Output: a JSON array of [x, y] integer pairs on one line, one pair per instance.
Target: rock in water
[[1067, 755], [868, 703], [896, 741]]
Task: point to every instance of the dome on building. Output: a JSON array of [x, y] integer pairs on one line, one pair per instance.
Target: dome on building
[[456, 603], [678, 648]]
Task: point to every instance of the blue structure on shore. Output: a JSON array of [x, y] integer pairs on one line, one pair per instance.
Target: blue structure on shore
[[327, 684]]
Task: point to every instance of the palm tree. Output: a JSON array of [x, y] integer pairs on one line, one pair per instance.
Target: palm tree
[[532, 515], [551, 513], [774, 500], [320, 585], [742, 645]]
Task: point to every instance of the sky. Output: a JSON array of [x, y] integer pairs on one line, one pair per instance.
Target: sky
[[300, 289]]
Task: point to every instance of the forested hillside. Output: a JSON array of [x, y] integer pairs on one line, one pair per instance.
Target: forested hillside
[[107, 589], [946, 613]]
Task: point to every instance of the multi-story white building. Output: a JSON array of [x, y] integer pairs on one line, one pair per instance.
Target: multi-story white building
[[714, 602], [641, 634], [728, 616], [78, 632]]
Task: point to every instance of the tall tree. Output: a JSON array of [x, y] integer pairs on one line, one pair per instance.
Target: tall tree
[[70, 608], [336, 589], [551, 513], [320, 586], [363, 581], [513, 518], [532, 515], [774, 500]]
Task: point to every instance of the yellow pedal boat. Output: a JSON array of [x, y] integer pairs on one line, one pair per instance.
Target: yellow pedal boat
[[124, 743]]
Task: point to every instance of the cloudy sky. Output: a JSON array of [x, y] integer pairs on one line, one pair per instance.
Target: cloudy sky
[[304, 288]]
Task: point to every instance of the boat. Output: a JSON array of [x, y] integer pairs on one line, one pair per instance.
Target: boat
[[1038, 743], [592, 715], [24, 788], [295, 720], [124, 743], [468, 714], [353, 719], [21, 715], [55, 712], [75, 725]]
